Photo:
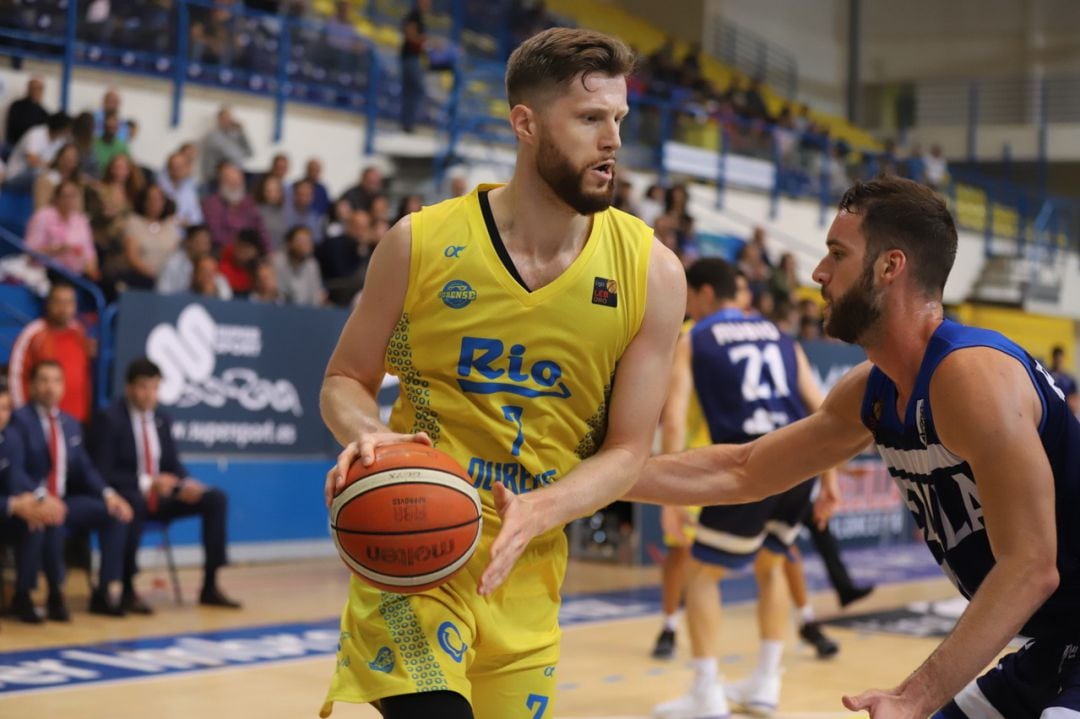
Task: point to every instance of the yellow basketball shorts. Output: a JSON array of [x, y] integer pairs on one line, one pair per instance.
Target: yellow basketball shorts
[[689, 532], [499, 652]]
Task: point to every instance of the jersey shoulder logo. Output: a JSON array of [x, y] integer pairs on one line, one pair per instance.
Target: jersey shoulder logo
[[920, 422], [605, 292]]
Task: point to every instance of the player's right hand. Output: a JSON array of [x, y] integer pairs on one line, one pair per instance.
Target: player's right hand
[[364, 448]]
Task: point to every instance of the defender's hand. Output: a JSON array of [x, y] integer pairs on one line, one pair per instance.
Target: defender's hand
[[521, 521], [364, 448], [886, 705]]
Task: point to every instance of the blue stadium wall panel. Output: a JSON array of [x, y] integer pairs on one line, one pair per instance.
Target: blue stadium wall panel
[[274, 503]]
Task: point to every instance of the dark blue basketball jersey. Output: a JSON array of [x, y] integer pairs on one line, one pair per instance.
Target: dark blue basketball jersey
[[1065, 382], [745, 375], [942, 492]]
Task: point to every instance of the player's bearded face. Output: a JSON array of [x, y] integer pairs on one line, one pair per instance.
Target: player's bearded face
[[572, 184], [856, 311]]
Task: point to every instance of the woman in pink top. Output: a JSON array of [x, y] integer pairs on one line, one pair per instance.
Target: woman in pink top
[[61, 231]]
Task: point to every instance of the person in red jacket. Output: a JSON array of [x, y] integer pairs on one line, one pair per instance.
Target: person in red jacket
[[56, 336]]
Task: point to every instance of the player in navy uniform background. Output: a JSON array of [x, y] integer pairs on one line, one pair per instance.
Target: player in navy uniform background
[[976, 434], [750, 379]]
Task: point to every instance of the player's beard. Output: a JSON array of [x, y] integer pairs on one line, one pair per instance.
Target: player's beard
[[568, 182], [854, 313]]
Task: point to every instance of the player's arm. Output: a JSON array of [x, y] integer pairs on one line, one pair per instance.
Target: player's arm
[[636, 399], [674, 519], [351, 385], [740, 473], [679, 393], [987, 411]]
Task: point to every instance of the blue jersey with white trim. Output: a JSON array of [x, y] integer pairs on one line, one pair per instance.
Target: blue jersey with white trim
[[942, 492], [745, 375]]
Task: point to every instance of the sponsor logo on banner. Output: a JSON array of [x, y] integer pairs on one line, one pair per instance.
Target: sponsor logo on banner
[[188, 353]]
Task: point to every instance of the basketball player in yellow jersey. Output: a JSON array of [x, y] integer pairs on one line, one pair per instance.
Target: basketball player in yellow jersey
[[527, 324]]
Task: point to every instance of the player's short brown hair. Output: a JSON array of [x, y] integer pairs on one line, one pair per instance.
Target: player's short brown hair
[[903, 214], [555, 57]]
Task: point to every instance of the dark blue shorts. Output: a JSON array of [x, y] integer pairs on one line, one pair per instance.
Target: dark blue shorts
[[1041, 681], [730, 535]]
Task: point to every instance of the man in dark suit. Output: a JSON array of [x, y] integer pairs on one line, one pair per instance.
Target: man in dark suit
[[24, 515], [134, 449], [56, 466]]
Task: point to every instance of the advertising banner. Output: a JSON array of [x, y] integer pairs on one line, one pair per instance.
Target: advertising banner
[[238, 377]]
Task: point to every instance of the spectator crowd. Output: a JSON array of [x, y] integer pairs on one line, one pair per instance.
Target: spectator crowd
[[197, 223]]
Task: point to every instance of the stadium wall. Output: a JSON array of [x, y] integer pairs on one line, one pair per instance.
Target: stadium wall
[[814, 32], [928, 39]]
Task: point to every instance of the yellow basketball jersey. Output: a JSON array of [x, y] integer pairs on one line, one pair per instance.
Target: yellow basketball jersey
[[513, 384]]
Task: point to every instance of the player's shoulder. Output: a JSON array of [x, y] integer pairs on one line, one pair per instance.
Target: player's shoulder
[[665, 266], [450, 217], [622, 219], [846, 396]]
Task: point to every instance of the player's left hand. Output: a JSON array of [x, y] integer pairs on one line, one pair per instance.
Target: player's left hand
[[520, 523], [886, 705], [826, 504]]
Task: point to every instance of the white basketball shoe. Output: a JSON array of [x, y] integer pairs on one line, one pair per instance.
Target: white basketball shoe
[[709, 704], [757, 695]]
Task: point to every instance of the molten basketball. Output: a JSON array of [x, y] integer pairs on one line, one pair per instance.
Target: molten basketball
[[408, 522]]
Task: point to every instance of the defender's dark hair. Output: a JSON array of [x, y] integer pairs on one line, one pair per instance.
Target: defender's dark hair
[[554, 57], [715, 273], [905, 215]]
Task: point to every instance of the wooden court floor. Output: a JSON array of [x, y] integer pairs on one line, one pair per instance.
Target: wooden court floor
[[605, 670]]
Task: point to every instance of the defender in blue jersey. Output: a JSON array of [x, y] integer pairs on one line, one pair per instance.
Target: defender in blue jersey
[[976, 434], [750, 379]]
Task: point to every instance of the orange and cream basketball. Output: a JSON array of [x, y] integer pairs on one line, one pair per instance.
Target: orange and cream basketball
[[408, 522]]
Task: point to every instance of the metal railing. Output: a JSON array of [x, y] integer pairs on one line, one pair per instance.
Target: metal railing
[[998, 101], [288, 59], [88, 289], [93, 304], [755, 56]]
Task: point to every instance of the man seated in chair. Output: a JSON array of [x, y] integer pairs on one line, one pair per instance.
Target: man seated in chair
[[134, 449], [24, 514], [56, 467]]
